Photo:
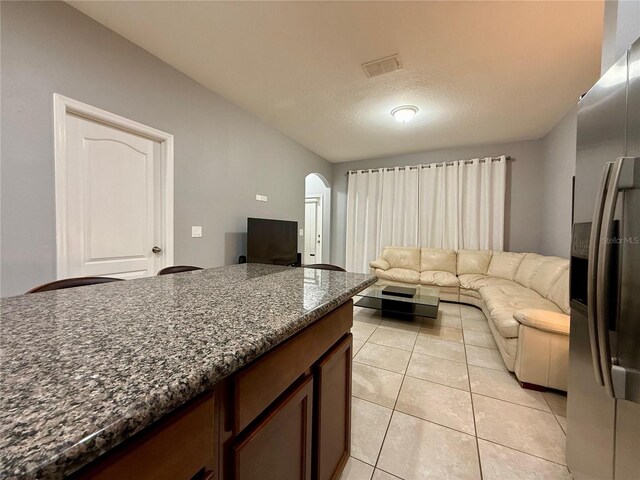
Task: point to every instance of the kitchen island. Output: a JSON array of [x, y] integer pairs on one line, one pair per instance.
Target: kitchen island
[[200, 374]]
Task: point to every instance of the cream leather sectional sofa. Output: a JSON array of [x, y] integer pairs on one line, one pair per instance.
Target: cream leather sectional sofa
[[525, 297]]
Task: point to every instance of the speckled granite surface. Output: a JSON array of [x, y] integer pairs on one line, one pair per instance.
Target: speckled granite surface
[[85, 368]]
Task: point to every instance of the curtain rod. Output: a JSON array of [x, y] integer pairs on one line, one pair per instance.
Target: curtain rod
[[428, 165]]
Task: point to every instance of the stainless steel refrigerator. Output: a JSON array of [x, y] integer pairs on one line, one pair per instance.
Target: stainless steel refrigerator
[[603, 404]]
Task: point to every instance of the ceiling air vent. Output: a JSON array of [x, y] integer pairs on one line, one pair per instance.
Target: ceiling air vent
[[381, 66]]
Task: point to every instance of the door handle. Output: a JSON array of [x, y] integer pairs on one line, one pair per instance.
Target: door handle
[[621, 178], [156, 249], [594, 252], [603, 304]]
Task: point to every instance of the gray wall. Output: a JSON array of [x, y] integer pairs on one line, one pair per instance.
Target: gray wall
[[621, 29], [559, 168], [524, 195], [223, 155]]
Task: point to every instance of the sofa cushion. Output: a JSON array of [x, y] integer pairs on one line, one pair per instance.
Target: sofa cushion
[[553, 322], [399, 275], [473, 261], [504, 264], [528, 266], [475, 281], [379, 263], [402, 257], [503, 300], [507, 346], [559, 293], [437, 259], [548, 273], [440, 279], [470, 293]]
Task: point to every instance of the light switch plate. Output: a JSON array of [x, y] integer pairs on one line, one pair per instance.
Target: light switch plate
[[301, 232], [261, 198], [196, 231]]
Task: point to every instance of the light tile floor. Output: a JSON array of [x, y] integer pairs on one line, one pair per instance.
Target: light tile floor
[[433, 400]]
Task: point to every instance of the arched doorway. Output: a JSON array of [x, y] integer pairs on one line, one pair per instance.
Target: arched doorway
[[317, 215]]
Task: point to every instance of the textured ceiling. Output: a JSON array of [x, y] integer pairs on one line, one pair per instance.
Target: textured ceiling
[[480, 72]]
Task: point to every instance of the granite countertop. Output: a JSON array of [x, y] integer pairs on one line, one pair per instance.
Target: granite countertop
[[85, 368]]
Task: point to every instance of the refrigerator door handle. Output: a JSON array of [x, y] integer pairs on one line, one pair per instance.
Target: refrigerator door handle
[[622, 178], [594, 251], [604, 266]]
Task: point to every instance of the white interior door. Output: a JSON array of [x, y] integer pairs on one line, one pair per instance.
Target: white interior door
[[313, 230], [114, 201]]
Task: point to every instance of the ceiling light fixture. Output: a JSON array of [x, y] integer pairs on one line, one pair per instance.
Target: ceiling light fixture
[[404, 113]]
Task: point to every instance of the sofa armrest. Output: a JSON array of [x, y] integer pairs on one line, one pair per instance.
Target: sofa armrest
[[545, 320], [380, 263]]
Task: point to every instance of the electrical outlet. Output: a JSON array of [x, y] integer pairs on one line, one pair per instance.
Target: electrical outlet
[[261, 198], [196, 231]]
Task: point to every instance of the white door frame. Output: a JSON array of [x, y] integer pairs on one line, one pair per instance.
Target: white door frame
[[62, 106], [319, 198]]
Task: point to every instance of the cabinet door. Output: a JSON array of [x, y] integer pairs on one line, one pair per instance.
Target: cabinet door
[[279, 445], [333, 410]]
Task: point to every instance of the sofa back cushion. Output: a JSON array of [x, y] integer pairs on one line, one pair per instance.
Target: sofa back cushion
[[473, 261], [528, 266], [436, 259], [504, 264], [548, 273], [559, 292], [402, 257]]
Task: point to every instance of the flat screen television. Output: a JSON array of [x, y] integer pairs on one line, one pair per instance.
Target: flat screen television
[[272, 241]]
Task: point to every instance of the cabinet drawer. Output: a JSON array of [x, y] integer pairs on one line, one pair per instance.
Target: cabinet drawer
[[176, 447], [279, 445], [260, 383]]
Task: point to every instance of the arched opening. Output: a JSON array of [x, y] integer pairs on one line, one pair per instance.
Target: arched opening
[[317, 219]]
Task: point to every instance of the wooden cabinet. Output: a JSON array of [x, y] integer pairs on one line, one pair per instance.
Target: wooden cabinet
[[321, 355], [284, 416], [333, 411], [260, 383], [279, 445], [306, 433]]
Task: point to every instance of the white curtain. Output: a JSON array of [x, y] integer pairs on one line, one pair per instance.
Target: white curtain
[[399, 222], [382, 209], [462, 204], [458, 205], [364, 215], [483, 204]]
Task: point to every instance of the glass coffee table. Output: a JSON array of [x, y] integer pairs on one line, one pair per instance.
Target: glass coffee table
[[424, 303]]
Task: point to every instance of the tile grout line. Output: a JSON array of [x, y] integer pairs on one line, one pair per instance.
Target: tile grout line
[[523, 452], [473, 408], [419, 418], [510, 402], [393, 410], [471, 394], [440, 358], [388, 473], [478, 438], [381, 368], [382, 345], [553, 413], [454, 430]]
